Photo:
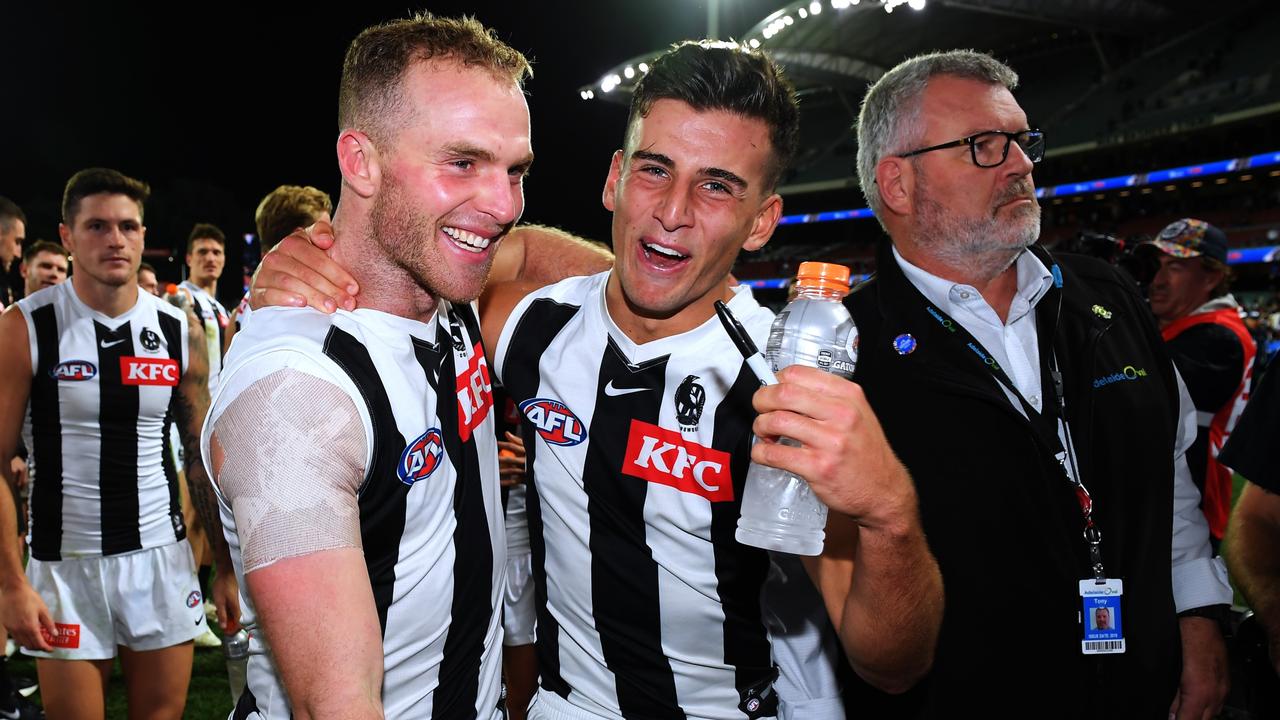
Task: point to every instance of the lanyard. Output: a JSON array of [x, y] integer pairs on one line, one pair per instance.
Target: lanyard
[[1044, 424]]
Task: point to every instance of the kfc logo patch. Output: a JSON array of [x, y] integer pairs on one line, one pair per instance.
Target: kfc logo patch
[[554, 421], [149, 371], [475, 393], [65, 636], [665, 457]]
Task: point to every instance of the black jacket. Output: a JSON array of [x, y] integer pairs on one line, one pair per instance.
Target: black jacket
[[1003, 521]]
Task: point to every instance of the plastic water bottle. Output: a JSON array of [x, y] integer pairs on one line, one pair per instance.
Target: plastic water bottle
[[779, 511], [236, 650]]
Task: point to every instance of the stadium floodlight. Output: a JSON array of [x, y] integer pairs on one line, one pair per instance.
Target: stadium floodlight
[[630, 72], [787, 20], [916, 4], [644, 67], [802, 13], [839, 4], [815, 8], [610, 82], [754, 43]]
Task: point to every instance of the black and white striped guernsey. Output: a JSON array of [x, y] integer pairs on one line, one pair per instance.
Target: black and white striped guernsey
[[430, 512], [647, 605], [215, 319], [103, 392]]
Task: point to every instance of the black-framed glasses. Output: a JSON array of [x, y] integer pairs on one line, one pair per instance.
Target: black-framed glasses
[[990, 149]]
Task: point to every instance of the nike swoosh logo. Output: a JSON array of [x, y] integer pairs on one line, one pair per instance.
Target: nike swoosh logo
[[111, 344], [11, 714], [612, 391]]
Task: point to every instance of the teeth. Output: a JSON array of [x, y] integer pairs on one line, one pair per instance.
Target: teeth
[[665, 252], [468, 240]]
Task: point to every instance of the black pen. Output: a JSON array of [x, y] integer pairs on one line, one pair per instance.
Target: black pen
[[738, 334]]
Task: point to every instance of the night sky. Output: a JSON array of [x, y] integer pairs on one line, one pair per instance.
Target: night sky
[[215, 104]]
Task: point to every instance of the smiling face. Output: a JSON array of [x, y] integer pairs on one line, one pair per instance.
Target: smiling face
[[105, 238], [452, 178], [965, 215], [687, 193]]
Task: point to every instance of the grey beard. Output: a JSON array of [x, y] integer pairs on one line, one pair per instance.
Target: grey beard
[[978, 249]]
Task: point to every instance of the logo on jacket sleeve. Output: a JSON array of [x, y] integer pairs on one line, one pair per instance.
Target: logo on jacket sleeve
[[554, 421], [421, 457], [149, 371], [665, 457], [73, 371]]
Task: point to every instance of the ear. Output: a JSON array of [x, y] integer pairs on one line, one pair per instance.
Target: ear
[[896, 183], [765, 222], [359, 162], [64, 234], [611, 182]]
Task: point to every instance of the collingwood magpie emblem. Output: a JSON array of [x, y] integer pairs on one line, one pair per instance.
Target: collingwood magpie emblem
[[690, 397], [149, 339]]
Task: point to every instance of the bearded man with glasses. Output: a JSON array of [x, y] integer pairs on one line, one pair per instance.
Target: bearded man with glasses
[[1031, 399]]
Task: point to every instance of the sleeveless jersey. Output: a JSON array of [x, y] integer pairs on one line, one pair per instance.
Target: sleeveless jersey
[[215, 320], [647, 605], [103, 392], [429, 507]]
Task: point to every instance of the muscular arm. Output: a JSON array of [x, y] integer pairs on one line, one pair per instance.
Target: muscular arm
[[1251, 554], [298, 527], [24, 612], [880, 583], [193, 403], [543, 255]]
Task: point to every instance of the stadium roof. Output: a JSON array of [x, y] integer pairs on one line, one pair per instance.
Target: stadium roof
[[832, 49]]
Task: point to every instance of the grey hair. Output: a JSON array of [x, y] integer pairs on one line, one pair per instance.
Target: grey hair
[[888, 123]]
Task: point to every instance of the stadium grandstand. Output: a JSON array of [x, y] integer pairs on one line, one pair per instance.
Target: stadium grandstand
[[1152, 111]]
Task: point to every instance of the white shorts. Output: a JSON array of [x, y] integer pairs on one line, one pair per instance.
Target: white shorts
[[144, 600], [518, 613]]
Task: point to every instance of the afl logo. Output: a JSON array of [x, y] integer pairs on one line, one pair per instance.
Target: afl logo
[[193, 599], [74, 371], [421, 457], [554, 421]]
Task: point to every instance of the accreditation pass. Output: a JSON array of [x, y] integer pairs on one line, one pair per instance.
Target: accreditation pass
[[1101, 618]]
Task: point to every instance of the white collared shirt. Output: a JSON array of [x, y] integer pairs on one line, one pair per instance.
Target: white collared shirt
[[1199, 579]]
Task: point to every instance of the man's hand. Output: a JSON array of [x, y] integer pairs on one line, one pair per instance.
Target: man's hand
[[298, 272], [843, 454], [511, 460], [18, 470], [226, 598], [1205, 681], [26, 617], [880, 584]]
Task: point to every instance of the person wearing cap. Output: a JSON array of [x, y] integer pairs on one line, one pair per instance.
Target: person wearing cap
[[1210, 345]]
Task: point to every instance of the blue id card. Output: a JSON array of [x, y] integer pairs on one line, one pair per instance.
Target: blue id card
[[1101, 617]]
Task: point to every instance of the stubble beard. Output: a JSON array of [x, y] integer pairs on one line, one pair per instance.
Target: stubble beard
[[408, 240], [981, 247]]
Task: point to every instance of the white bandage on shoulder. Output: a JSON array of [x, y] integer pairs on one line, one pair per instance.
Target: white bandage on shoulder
[[293, 450]]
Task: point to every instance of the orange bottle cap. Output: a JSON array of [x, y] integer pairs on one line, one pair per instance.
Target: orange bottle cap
[[824, 276]]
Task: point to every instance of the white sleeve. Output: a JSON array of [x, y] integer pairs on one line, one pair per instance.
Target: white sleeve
[[1199, 579]]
